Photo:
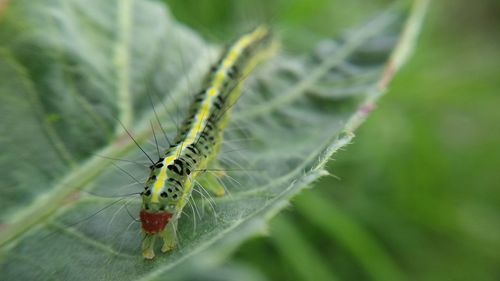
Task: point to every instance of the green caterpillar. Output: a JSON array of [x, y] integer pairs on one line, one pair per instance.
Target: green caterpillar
[[197, 144]]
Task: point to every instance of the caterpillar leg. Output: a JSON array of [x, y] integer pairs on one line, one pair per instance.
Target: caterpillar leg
[[169, 236], [209, 182], [148, 243]]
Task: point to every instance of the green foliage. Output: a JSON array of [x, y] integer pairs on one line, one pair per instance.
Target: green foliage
[[421, 178], [70, 69]]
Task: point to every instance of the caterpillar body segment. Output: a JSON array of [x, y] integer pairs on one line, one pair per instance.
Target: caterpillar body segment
[[170, 182]]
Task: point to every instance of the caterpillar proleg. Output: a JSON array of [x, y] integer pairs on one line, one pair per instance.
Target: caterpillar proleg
[[169, 185]]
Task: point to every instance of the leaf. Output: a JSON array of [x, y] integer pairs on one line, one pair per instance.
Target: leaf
[[70, 69], [349, 235], [302, 258]]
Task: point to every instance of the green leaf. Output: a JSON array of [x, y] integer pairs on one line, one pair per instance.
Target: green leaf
[[70, 69], [296, 251], [350, 235]]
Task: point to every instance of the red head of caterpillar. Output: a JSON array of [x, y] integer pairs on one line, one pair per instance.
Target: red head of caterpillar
[[197, 144]]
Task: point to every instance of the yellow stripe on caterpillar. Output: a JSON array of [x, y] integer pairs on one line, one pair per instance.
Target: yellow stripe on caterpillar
[[169, 185]]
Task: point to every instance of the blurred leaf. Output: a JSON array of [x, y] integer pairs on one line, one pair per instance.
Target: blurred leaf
[[70, 68], [343, 229], [295, 249]]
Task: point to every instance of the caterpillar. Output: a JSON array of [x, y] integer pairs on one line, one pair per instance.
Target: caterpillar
[[169, 184]]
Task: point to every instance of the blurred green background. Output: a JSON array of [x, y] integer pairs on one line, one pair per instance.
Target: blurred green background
[[418, 193]]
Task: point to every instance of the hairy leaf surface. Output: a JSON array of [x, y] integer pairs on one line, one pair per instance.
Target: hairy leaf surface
[[71, 69]]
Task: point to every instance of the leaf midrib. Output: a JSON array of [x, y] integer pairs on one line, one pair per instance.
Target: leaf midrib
[[122, 64]]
